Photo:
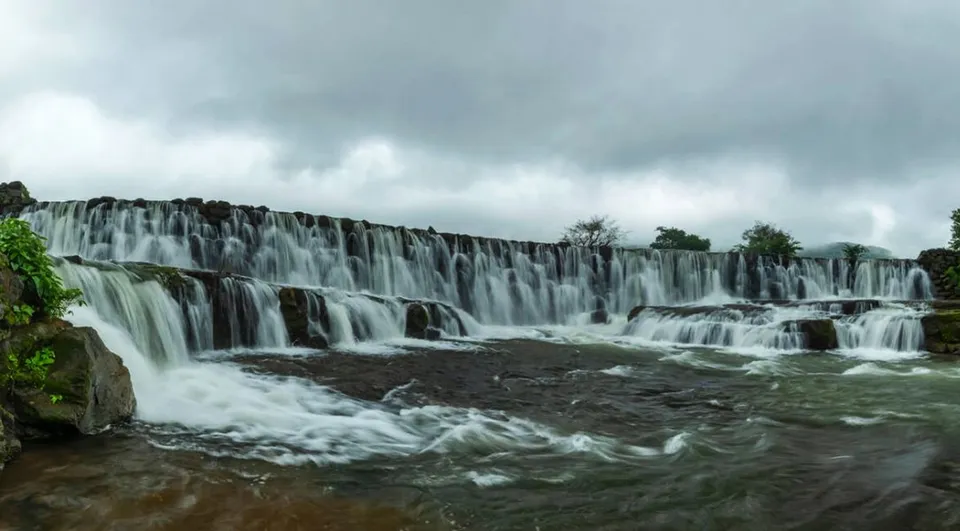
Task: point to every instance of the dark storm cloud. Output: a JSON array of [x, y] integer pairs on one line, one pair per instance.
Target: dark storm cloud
[[855, 89], [833, 119]]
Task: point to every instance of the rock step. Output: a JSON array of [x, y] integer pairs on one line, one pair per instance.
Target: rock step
[[305, 312], [832, 307]]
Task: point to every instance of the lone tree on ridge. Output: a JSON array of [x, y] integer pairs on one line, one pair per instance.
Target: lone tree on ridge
[[674, 238], [598, 231], [955, 230], [766, 238]]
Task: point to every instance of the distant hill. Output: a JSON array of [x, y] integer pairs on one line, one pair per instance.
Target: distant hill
[[835, 250]]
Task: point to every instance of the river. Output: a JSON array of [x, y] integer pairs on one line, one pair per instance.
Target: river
[[561, 434]]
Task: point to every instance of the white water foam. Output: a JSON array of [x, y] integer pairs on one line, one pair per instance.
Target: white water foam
[[222, 409]]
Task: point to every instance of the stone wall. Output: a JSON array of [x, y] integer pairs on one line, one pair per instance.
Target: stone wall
[[936, 262]]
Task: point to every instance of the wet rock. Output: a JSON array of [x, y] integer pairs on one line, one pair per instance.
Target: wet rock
[[295, 309], [937, 262], [418, 323], [94, 384], [599, 317], [14, 197], [818, 334], [9, 443], [941, 329]]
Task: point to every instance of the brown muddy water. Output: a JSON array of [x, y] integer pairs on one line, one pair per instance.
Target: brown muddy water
[[539, 436]]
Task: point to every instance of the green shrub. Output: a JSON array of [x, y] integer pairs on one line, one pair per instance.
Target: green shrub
[[28, 257], [30, 370], [953, 273]]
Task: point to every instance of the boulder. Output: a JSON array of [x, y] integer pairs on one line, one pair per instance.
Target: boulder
[[941, 329], [418, 323], [94, 385], [936, 262], [818, 334], [599, 317], [9, 443], [295, 309]]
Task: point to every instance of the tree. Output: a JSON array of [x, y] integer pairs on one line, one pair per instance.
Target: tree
[[955, 230], [593, 232], [766, 238], [674, 238], [854, 251]]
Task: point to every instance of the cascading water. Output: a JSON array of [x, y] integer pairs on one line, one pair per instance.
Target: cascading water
[[253, 313], [722, 328], [284, 420], [497, 282], [144, 309], [888, 326]]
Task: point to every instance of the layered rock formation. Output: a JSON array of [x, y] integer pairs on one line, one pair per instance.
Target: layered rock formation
[[238, 305], [937, 263], [941, 328], [496, 281]]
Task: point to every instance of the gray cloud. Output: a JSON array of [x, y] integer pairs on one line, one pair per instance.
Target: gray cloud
[[836, 93], [857, 88]]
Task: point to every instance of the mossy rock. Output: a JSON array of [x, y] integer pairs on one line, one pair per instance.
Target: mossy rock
[[818, 334], [418, 321], [941, 330], [169, 277], [94, 385], [9, 443]]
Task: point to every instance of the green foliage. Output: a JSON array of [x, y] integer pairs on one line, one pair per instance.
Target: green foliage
[[28, 258], [19, 314], [854, 251], [598, 231], [674, 238], [27, 370], [953, 273], [955, 230], [766, 238]]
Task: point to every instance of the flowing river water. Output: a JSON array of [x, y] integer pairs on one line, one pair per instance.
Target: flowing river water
[[715, 421]]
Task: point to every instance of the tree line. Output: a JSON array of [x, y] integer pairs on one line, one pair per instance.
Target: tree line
[[761, 238]]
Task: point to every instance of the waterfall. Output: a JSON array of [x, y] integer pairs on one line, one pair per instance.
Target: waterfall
[[144, 309], [495, 281]]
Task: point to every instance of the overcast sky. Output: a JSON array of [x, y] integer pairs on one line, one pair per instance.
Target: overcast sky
[[837, 120]]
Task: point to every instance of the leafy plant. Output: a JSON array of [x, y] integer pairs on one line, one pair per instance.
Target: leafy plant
[[31, 370], [766, 238], [19, 314], [953, 273], [854, 251], [28, 257], [674, 238]]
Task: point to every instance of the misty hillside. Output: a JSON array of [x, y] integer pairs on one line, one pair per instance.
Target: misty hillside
[[835, 250]]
